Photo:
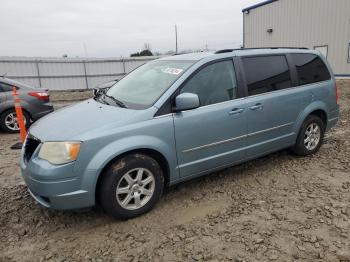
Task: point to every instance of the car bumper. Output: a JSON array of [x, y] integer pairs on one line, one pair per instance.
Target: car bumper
[[65, 193]]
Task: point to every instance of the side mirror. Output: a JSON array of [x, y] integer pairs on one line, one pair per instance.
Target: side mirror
[[186, 101], [96, 92], [99, 91]]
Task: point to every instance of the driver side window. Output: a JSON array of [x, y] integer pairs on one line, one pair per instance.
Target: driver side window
[[213, 84]]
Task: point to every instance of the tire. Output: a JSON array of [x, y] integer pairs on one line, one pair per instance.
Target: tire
[[137, 194], [12, 127], [304, 147]]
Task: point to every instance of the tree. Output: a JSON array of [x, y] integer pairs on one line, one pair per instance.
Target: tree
[[145, 52], [142, 53]]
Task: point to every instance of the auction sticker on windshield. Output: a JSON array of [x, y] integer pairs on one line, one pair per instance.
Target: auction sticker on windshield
[[173, 71]]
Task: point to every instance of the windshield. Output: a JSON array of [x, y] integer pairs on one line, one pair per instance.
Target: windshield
[[143, 86]]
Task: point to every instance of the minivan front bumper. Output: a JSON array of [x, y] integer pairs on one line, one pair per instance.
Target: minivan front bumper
[[53, 194], [57, 187]]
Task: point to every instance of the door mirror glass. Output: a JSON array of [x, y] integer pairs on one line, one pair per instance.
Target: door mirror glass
[[186, 101]]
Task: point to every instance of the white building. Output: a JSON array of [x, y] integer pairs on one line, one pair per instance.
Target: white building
[[316, 24]]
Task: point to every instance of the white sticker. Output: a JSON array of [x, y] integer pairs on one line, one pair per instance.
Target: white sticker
[[173, 71]]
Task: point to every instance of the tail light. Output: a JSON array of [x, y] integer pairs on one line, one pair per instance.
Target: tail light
[[43, 96], [337, 93]]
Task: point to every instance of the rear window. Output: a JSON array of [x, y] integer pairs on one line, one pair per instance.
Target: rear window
[[5, 87], [266, 73], [310, 68]]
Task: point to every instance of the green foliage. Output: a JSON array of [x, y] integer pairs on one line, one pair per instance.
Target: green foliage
[[142, 53]]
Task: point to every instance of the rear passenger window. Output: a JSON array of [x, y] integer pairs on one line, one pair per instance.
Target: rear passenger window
[[310, 68], [213, 84], [5, 87], [266, 74]]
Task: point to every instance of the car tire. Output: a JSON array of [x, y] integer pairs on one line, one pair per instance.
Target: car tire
[[10, 127], [310, 137], [131, 186]]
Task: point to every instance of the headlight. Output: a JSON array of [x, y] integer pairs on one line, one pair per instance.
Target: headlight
[[59, 153]]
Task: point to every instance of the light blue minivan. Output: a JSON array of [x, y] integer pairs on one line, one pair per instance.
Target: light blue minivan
[[177, 118]]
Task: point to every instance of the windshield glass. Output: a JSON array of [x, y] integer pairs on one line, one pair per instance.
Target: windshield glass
[[143, 86]]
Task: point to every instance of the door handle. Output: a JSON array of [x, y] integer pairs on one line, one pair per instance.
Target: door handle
[[257, 107], [236, 111]]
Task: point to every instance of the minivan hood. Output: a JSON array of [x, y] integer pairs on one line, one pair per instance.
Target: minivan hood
[[72, 122]]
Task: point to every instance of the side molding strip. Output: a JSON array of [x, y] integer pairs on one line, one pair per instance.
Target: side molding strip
[[235, 138], [214, 144], [269, 129]]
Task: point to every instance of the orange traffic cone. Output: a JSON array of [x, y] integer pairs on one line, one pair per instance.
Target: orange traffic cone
[[19, 114]]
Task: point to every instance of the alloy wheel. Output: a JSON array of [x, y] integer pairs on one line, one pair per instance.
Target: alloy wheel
[[11, 121], [312, 136], [135, 188]]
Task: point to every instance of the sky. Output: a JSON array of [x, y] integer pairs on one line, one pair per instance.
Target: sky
[[115, 28]]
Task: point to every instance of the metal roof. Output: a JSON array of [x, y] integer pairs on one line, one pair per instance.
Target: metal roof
[[258, 5]]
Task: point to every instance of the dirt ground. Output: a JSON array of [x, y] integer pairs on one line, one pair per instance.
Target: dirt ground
[[277, 208]]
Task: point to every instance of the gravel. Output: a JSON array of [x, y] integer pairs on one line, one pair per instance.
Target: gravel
[[276, 208]]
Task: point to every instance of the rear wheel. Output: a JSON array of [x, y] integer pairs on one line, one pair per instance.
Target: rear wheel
[[310, 137], [131, 186], [9, 123]]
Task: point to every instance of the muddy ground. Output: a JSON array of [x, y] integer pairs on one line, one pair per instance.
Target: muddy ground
[[277, 208]]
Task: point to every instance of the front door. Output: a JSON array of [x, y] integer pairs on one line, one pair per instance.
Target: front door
[[213, 135]]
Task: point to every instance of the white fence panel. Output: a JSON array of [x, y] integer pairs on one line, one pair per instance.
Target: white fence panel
[[48, 69], [102, 68], [67, 73], [18, 68]]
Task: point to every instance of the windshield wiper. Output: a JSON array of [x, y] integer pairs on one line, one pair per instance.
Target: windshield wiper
[[115, 100]]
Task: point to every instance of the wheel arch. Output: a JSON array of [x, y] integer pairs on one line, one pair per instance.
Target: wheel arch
[[155, 154], [321, 114], [318, 108]]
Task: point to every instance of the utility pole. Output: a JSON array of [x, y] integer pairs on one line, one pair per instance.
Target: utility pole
[[176, 49]]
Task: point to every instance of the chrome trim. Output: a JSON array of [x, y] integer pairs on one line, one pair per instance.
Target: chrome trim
[[222, 103], [235, 138], [269, 129], [216, 104], [156, 117], [214, 144], [292, 88]]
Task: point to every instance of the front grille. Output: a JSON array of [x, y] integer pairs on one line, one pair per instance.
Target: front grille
[[29, 147]]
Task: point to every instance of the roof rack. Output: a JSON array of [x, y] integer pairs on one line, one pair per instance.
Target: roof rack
[[256, 48]]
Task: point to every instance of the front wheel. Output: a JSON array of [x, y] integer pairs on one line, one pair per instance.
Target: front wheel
[[131, 186], [310, 137]]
